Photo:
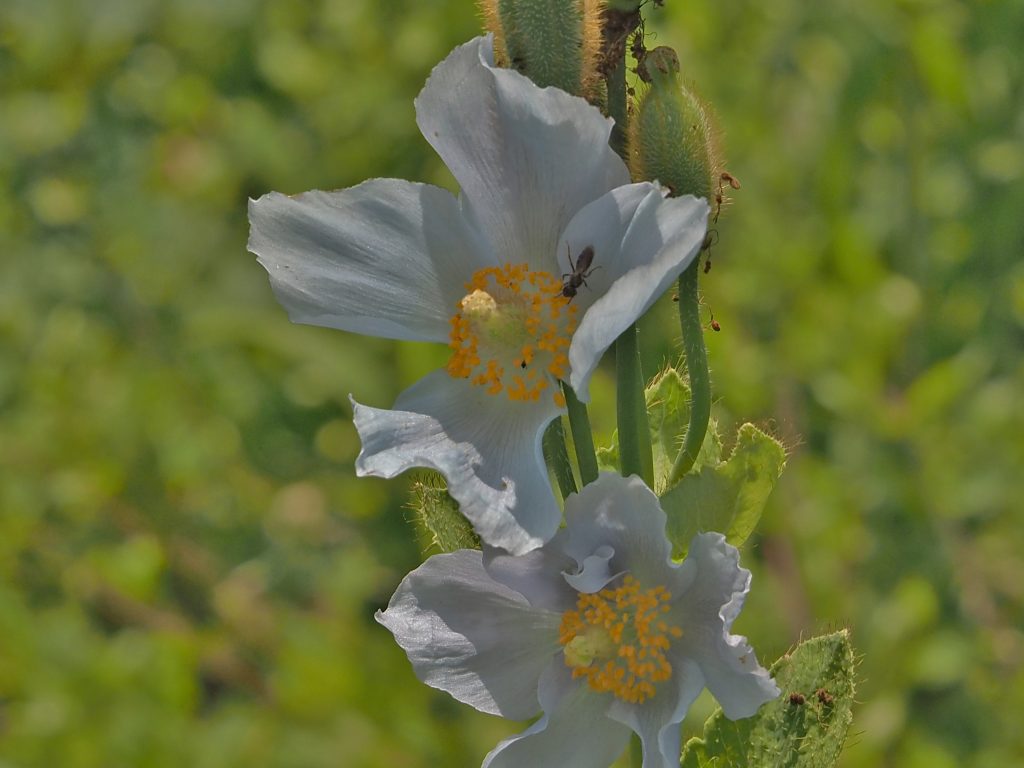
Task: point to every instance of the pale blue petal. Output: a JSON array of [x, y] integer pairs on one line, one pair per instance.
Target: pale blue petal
[[526, 158], [662, 239], [594, 572], [657, 720], [706, 612], [602, 225], [487, 447], [573, 732], [623, 514], [472, 637], [537, 575], [385, 258]]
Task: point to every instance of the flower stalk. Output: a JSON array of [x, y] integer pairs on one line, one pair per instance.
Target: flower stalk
[[635, 451], [582, 436], [557, 457], [696, 357], [635, 454]]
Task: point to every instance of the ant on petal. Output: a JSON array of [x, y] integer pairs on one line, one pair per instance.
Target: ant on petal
[[581, 270]]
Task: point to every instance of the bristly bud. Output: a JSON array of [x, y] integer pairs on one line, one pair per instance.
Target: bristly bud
[[439, 515], [673, 137], [553, 42]]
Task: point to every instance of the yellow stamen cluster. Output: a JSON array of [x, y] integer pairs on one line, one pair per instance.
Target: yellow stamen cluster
[[512, 331], [617, 639]]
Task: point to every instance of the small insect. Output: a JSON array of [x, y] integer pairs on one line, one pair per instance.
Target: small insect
[[581, 270], [796, 699]]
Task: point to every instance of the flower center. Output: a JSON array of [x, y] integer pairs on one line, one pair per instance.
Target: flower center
[[512, 332], [617, 639]]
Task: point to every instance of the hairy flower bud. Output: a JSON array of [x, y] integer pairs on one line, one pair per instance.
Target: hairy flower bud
[[553, 42], [673, 137]]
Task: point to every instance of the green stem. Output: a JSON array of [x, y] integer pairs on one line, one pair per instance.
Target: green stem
[[582, 438], [635, 454], [617, 107], [557, 457], [696, 357]]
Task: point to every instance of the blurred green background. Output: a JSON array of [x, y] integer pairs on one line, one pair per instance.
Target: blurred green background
[[188, 566]]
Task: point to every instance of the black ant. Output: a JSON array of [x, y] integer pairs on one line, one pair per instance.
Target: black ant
[[580, 271]]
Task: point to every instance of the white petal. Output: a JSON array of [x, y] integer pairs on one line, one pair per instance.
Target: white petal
[[602, 225], [526, 158], [594, 572], [537, 575], [740, 684], [706, 612], [487, 447], [660, 241], [472, 637], [625, 515], [573, 733], [657, 720], [385, 258]]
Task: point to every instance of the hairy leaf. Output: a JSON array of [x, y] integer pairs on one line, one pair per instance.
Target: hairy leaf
[[805, 727]]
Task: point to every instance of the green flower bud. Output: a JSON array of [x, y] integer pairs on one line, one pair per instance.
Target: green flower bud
[[553, 42], [438, 514], [673, 137]]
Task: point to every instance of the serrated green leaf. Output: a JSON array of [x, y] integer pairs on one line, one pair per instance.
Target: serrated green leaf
[[668, 413], [805, 727], [729, 497], [439, 514]]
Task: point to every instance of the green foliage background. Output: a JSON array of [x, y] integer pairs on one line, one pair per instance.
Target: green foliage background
[[188, 567]]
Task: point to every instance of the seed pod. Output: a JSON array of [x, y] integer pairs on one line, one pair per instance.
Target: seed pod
[[672, 136], [553, 42]]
